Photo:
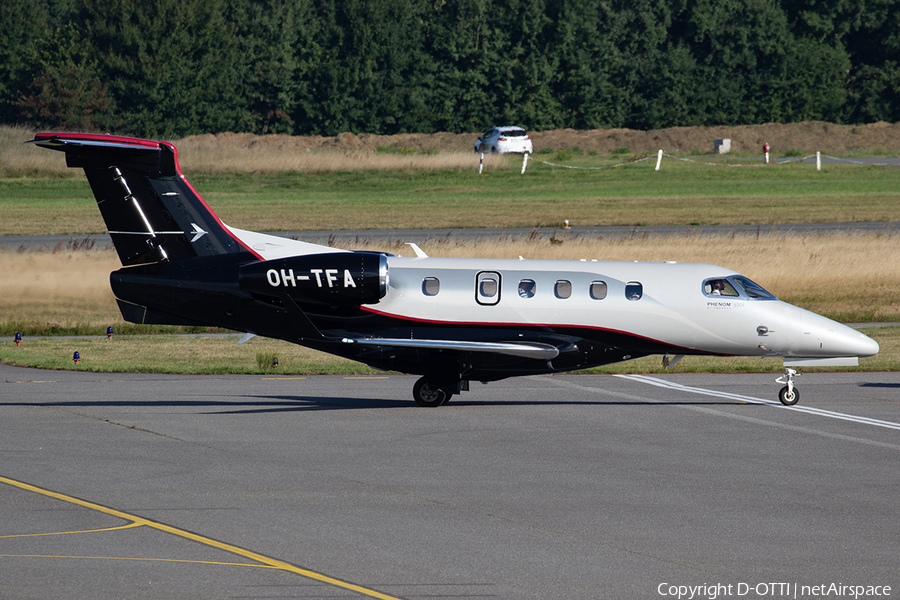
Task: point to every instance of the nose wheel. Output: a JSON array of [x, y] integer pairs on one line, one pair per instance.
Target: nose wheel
[[789, 394]]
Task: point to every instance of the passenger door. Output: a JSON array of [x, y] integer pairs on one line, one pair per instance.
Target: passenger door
[[487, 288]]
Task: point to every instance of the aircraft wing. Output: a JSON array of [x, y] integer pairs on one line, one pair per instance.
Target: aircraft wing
[[536, 350]]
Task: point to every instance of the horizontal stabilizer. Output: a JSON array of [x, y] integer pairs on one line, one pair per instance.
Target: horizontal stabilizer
[[101, 151]]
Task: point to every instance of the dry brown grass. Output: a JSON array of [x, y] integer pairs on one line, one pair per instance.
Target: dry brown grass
[[216, 160], [850, 276], [247, 153], [60, 288], [18, 159]]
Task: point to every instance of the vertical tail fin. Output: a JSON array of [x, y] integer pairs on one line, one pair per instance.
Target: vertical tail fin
[[151, 211]]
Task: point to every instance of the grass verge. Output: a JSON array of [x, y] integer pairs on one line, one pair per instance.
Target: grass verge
[[174, 354]]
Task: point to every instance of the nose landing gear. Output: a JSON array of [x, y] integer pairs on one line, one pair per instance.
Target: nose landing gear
[[789, 394]]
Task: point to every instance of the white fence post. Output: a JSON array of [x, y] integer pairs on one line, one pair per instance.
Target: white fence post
[[658, 159], [480, 163], [524, 161], [818, 161]]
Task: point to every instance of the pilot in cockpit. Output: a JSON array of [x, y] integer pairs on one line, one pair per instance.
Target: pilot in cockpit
[[720, 287]]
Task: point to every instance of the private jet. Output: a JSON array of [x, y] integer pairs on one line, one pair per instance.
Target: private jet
[[449, 320]]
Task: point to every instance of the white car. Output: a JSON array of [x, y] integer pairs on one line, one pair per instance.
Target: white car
[[503, 140]]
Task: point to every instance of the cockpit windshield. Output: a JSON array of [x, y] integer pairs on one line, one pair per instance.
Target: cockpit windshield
[[735, 287], [753, 289]]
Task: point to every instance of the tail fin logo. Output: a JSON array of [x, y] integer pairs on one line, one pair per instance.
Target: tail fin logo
[[198, 232]]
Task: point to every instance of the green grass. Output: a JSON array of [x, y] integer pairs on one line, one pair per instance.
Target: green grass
[[173, 354], [36, 329], [679, 194], [199, 355]]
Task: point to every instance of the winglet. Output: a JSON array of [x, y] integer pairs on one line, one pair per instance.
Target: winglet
[[419, 252]]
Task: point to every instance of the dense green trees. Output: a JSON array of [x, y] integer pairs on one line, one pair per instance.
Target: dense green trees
[[167, 68]]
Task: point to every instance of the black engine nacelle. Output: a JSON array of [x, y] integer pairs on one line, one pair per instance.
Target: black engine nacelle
[[337, 279]]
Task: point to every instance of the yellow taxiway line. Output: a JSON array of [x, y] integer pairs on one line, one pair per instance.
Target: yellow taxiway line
[[140, 521]]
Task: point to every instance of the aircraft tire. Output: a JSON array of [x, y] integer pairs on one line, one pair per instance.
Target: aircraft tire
[[789, 399], [427, 394]]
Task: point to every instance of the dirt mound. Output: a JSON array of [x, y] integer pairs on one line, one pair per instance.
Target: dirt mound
[[804, 137]]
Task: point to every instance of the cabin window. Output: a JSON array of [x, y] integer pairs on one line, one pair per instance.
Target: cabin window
[[719, 287], [527, 288], [563, 289], [598, 290], [487, 288], [431, 286], [634, 290]]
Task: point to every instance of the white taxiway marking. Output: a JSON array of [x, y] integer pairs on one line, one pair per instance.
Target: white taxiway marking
[[806, 409]]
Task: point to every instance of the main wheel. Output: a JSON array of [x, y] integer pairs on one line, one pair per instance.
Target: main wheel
[[427, 394], [789, 398]]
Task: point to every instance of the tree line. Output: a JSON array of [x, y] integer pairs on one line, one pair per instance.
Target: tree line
[[169, 68]]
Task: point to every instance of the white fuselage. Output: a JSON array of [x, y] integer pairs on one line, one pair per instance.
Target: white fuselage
[[673, 307]]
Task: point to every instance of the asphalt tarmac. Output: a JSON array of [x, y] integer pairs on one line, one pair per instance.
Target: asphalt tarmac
[[120, 486]]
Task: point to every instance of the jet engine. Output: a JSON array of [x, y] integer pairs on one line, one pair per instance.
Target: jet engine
[[336, 279]]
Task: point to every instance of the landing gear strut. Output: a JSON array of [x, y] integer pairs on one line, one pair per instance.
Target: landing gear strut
[[789, 394]]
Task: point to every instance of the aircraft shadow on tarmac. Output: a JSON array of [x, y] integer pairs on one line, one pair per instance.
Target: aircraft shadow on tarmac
[[881, 385], [276, 404], [305, 403]]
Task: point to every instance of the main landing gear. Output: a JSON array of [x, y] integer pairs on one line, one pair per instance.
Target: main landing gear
[[789, 394], [430, 394]]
